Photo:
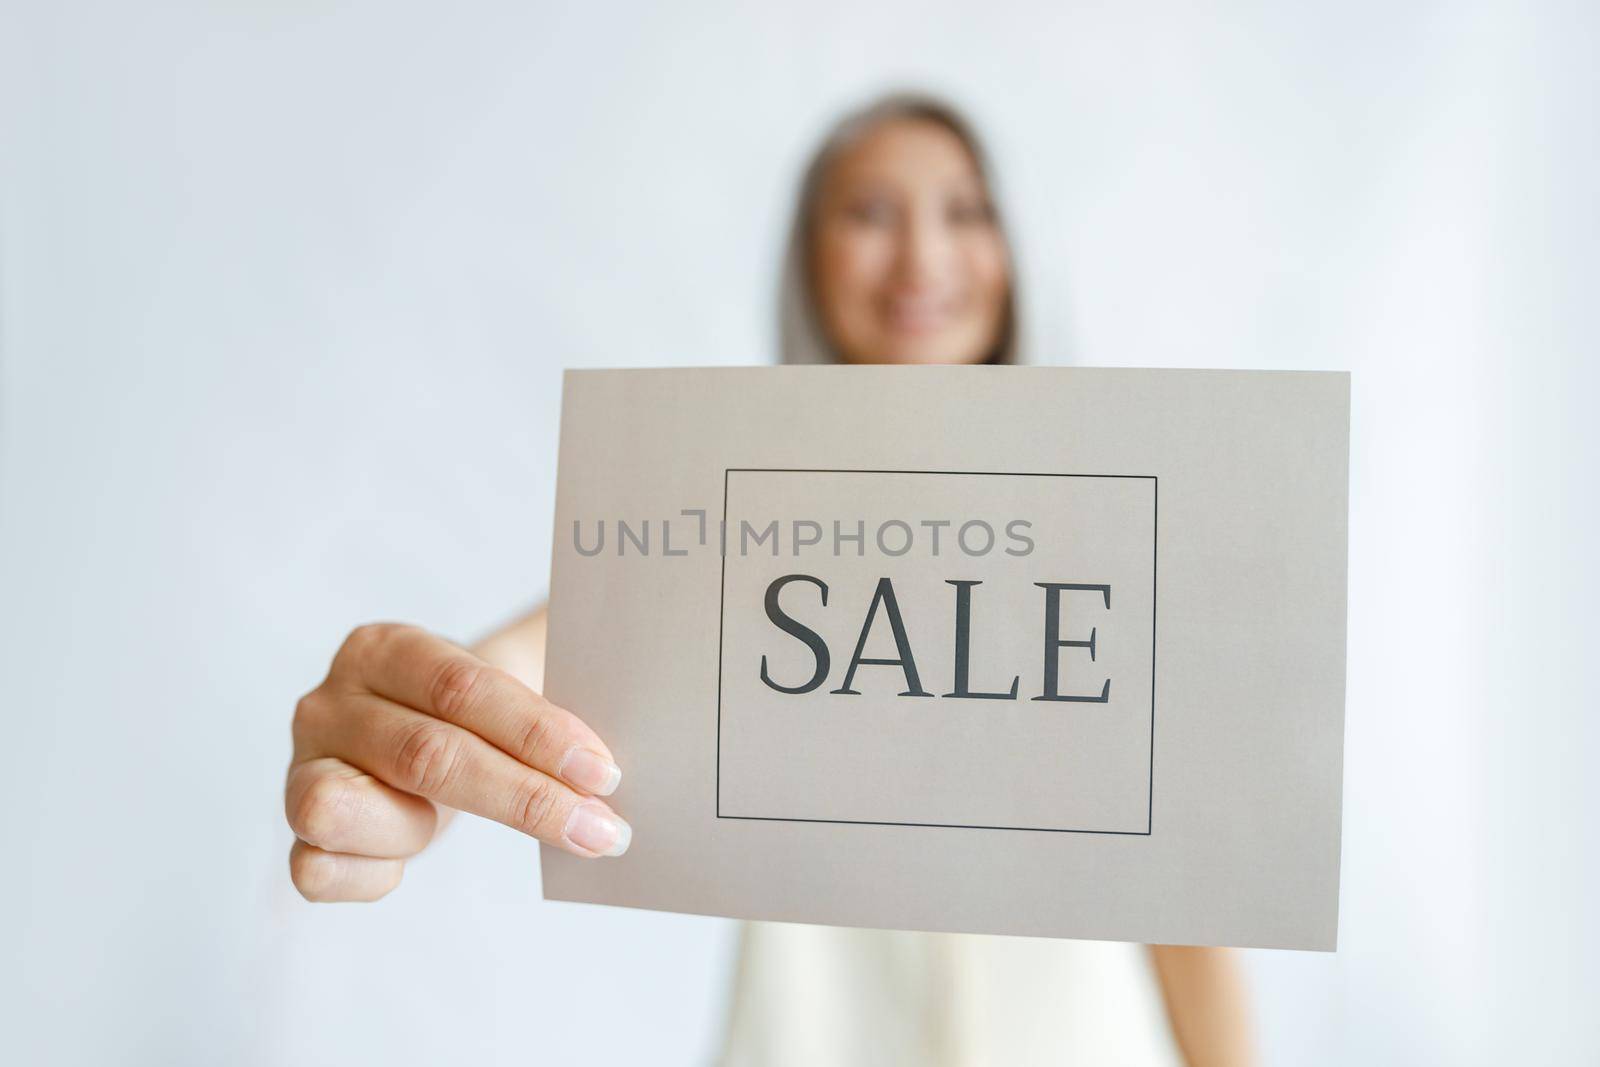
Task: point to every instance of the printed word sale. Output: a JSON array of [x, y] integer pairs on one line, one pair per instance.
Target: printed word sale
[[961, 688]]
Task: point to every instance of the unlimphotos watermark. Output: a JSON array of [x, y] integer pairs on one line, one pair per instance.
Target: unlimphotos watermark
[[797, 537]]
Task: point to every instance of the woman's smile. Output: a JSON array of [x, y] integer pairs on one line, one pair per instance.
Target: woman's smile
[[917, 314]]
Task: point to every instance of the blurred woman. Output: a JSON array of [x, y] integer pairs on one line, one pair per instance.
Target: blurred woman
[[897, 255]]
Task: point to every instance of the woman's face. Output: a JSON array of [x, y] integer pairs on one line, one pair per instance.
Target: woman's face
[[907, 262]]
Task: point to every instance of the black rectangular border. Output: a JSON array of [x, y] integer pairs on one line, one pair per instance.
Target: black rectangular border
[[1155, 542]]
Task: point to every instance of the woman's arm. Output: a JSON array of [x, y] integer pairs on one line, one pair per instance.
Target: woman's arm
[[518, 649], [1206, 1004]]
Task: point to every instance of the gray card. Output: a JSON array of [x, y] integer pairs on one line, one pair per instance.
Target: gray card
[[1044, 651]]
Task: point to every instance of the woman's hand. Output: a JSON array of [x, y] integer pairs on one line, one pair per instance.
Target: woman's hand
[[406, 723]]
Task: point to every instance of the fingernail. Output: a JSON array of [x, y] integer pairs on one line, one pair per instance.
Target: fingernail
[[597, 828], [590, 771]]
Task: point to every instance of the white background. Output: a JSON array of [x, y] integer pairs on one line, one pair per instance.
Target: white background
[[285, 291]]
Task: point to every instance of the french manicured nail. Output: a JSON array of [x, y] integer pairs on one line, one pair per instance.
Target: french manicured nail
[[597, 828], [589, 771]]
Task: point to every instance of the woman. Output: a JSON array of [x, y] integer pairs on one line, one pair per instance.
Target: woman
[[897, 256]]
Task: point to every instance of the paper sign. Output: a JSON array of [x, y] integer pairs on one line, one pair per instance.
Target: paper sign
[[1043, 651]]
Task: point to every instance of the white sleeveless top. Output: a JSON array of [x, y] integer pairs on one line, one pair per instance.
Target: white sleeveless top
[[819, 996]]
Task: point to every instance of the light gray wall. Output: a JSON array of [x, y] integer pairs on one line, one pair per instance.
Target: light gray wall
[[285, 290]]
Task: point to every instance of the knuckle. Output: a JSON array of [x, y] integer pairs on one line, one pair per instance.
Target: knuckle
[[457, 685], [427, 757], [313, 873], [535, 736], [363, 638], [321, 811], [533, 806], [310, 712]]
